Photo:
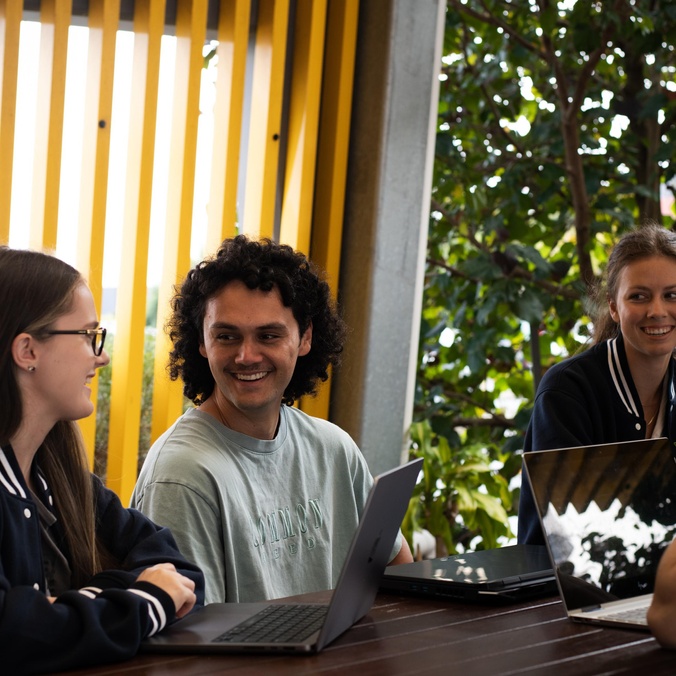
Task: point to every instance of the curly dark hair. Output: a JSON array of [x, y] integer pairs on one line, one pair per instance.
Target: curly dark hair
[[260, 265]]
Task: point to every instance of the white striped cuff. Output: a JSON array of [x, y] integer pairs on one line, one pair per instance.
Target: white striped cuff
[[158, 617], [91, 592]]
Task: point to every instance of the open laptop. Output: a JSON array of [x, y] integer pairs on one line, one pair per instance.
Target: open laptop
[[608, 512], [504, 575], [222, 627]]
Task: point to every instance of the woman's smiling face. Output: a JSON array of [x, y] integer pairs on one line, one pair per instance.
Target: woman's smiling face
[[61, 381], [645, 307]]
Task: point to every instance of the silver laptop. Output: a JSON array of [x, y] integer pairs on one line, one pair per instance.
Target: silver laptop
[[608, 512], [256, 627]]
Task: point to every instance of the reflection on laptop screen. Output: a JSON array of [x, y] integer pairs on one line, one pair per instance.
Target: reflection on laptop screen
[[608, 513]]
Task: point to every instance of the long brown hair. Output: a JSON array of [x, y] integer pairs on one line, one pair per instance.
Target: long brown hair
[[645, 241], [35, 289]]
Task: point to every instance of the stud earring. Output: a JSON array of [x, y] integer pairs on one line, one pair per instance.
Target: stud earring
[[30, 369]]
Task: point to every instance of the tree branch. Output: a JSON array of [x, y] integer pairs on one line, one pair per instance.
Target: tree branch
[[517, 273], [493, 20]]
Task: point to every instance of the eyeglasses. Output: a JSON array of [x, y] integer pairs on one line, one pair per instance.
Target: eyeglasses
[[98, 337]]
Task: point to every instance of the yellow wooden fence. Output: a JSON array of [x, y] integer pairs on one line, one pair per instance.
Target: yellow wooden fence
[[283, 95]]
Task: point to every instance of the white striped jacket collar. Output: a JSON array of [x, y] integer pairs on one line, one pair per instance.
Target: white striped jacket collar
[[11, 479], [620, 379]]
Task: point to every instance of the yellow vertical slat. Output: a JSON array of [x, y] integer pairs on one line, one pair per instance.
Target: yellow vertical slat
[[233, 41], [10, 25], [266, 118], [334, 137], [127, 374], [103, 23], [191, 19], [55, 22], [303, 124]]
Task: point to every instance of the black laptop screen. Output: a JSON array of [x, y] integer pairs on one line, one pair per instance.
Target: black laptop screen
[[608, 513]]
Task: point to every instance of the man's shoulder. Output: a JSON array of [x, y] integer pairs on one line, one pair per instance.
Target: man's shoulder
[[184, 447], [301, 421], [193, 425]]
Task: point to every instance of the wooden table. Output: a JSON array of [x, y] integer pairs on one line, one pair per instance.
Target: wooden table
[[408, 635]]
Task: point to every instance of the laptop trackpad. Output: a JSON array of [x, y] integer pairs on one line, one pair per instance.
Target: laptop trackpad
[[204, 625]]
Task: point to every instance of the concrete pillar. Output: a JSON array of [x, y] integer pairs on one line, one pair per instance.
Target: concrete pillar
[[387, 210]]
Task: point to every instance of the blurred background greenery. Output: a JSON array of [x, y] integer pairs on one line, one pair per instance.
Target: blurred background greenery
[[555, 134]]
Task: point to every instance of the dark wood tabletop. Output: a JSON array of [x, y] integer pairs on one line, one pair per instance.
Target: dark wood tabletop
[[410, 635]]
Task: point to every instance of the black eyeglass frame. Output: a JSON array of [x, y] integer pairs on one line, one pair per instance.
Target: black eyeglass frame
[[94, 333]]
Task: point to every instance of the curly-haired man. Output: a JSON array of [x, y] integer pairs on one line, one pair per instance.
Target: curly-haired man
[[263, 497]]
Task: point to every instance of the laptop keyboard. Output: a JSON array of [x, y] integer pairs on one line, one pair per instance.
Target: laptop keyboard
[[637, 615], [277, 624]]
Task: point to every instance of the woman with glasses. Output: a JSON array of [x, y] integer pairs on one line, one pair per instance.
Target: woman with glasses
[[82, 579]]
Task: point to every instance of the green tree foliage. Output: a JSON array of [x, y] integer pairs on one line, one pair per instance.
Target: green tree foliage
[[556, 133]]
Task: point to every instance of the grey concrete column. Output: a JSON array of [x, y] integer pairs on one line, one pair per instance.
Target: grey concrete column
[[387, 209]]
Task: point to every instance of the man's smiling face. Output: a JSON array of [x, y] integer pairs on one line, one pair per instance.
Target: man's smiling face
[[252, 343]]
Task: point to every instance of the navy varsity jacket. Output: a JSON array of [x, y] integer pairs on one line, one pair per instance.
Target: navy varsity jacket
[[103, 622], [587, 399]]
